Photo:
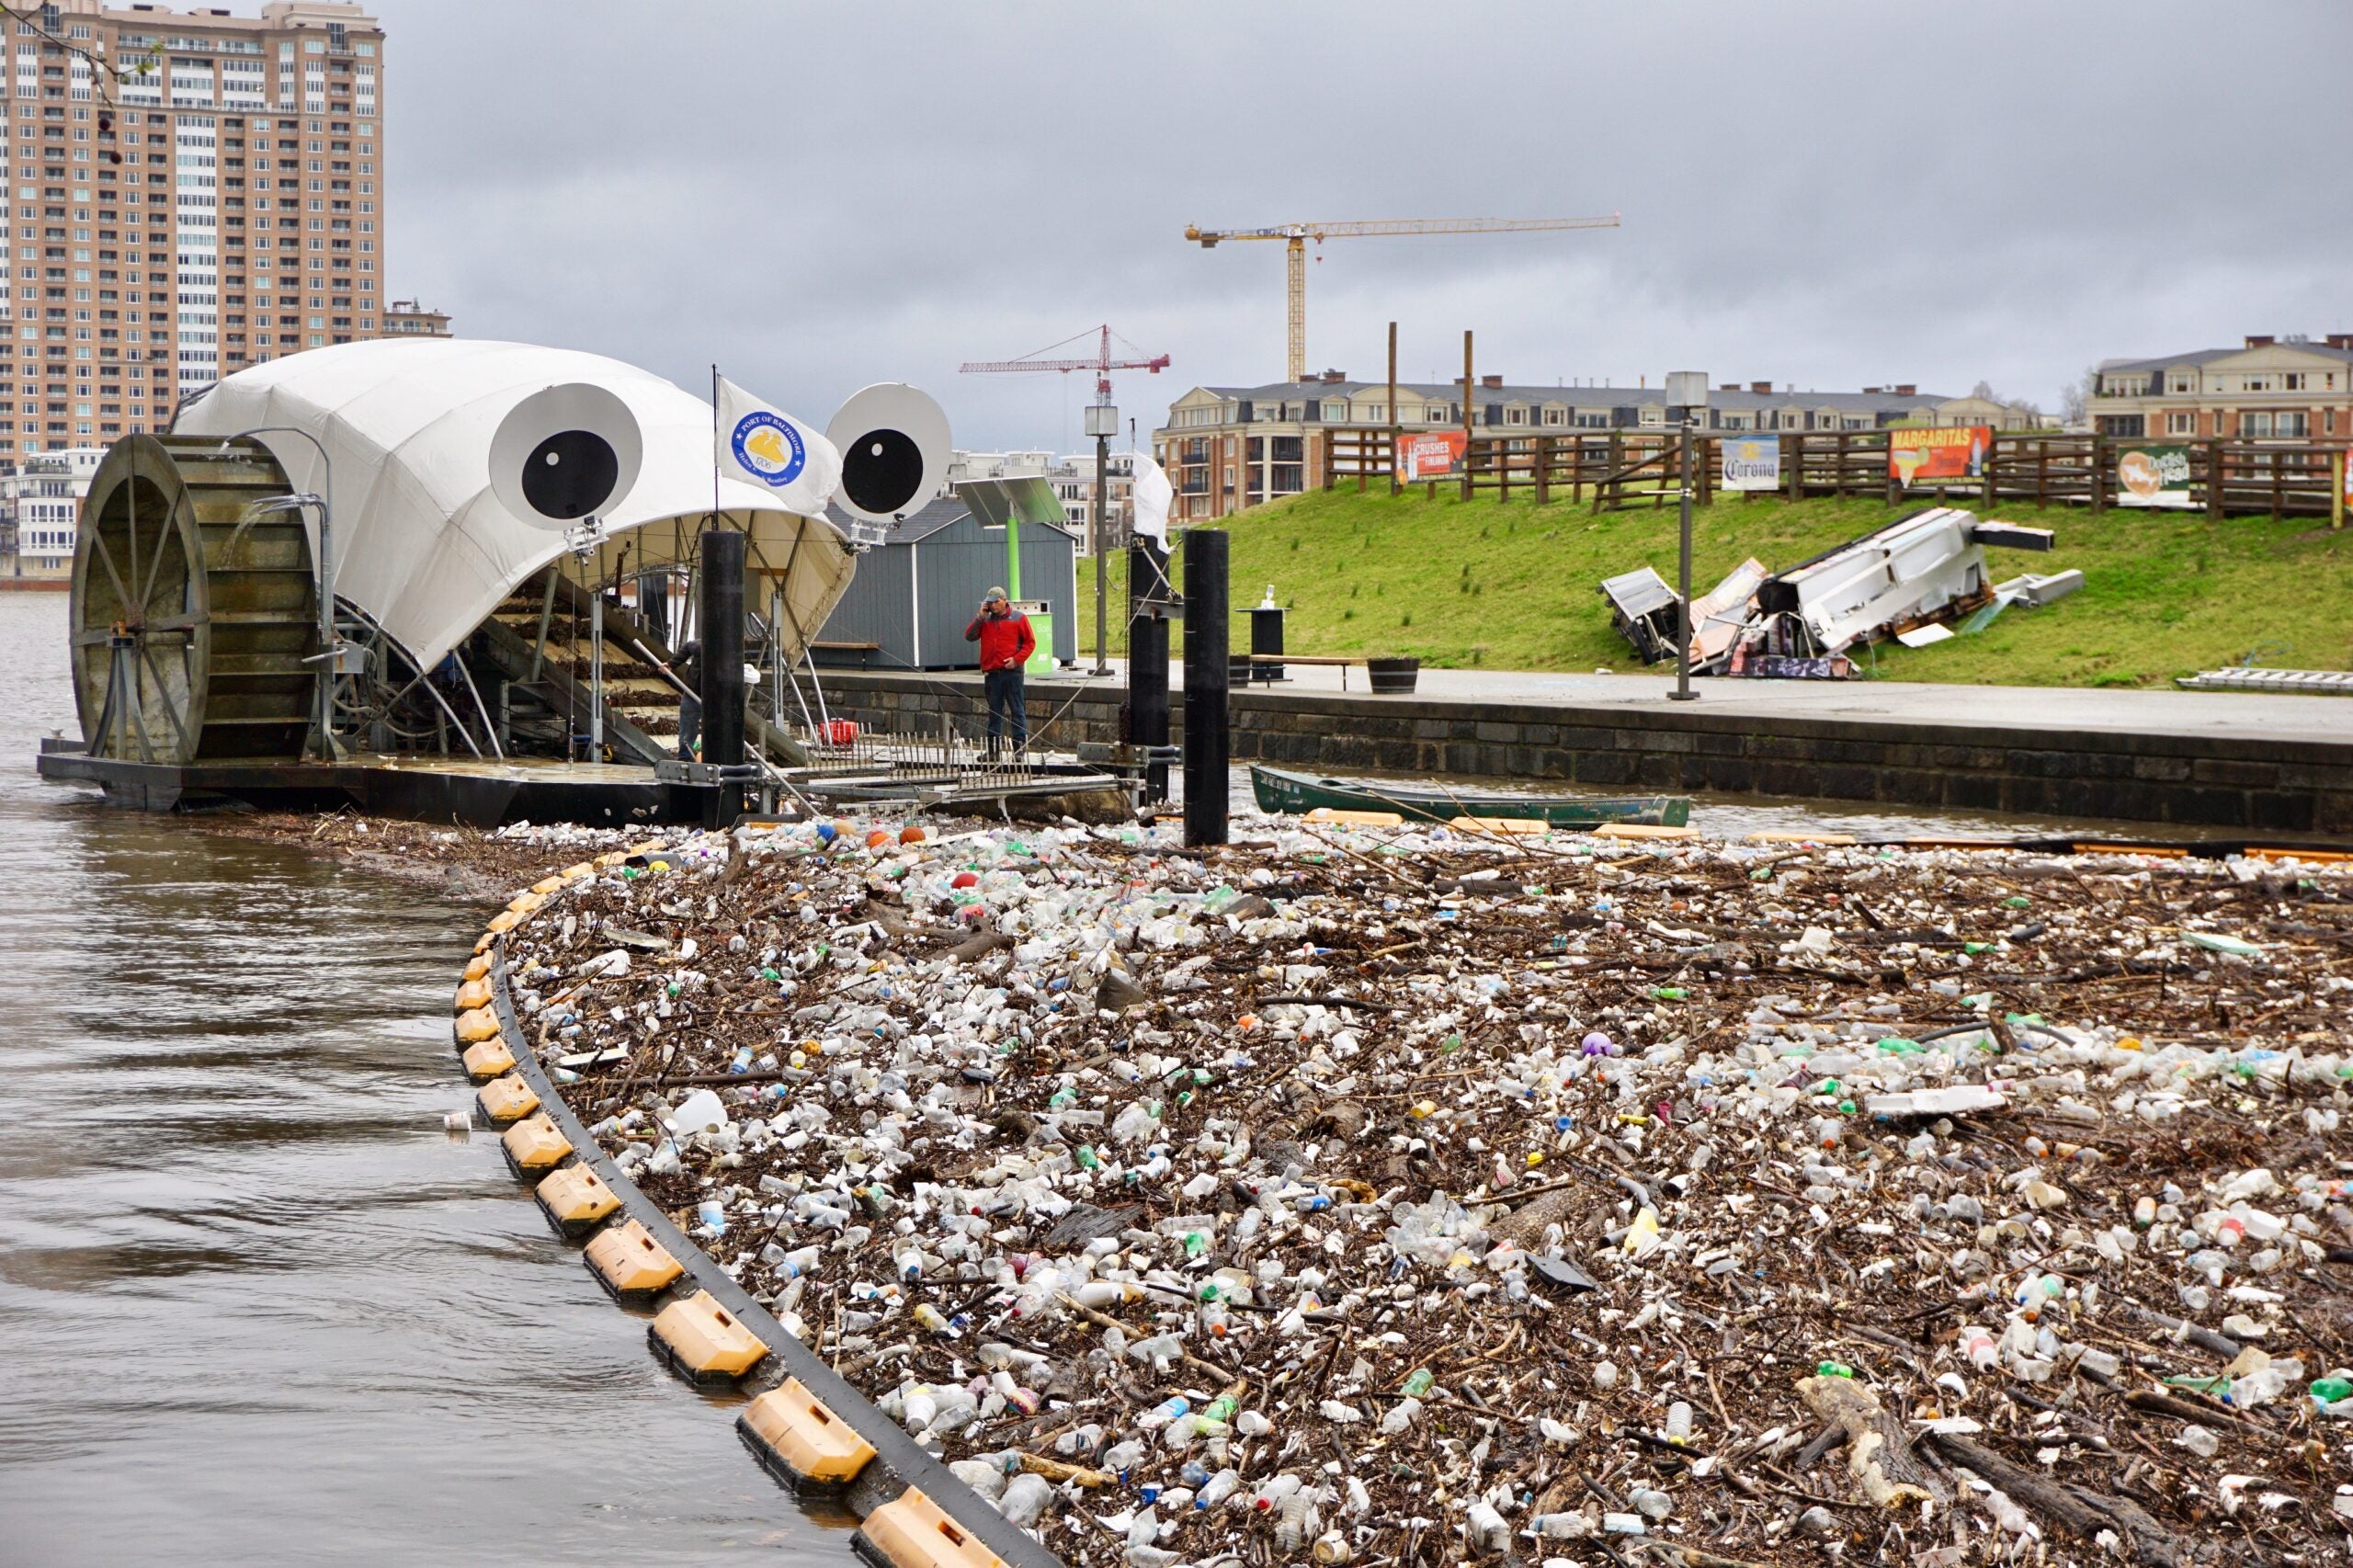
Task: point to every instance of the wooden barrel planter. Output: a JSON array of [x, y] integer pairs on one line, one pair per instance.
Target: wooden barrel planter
[[1393, 677]]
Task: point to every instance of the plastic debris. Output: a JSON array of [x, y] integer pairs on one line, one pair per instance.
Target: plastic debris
[[1367, 1195]]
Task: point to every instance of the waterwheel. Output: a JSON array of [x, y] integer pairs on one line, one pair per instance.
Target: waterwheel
[[195, 606]]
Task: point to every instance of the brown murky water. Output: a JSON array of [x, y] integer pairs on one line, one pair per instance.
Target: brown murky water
[[256, 1306]]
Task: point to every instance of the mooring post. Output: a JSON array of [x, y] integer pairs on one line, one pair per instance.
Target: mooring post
[[1148, 659], [1207, 747], [722, 665]]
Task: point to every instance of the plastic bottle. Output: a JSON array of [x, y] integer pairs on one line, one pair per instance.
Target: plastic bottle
[[1159, 1348], [1678, 1422], [1167, 1410], [1488, 1532], [1296, 1522], [1099, 1293], [1217, 1489], [1024, 1498], [1269, 1496], [1121, 1458], [1978, 1344]]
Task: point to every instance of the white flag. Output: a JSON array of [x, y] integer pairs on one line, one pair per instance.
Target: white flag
[[1153, 494], [769, 447]]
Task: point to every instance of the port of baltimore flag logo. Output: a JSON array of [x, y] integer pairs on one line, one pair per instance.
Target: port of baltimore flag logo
[[765, 445]]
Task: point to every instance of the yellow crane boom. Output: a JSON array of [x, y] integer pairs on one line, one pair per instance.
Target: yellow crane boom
[[1296, 236]]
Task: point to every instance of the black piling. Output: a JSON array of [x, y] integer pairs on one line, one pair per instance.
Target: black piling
[[1207, 747], [1148, 658], [722, 576]]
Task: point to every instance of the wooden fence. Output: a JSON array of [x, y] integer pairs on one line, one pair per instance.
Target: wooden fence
[[1612, 470]]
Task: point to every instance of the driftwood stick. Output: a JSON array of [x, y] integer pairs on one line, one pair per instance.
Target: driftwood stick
[[2082, 1514]]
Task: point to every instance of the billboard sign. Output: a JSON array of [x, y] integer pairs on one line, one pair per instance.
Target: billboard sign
[[1752, 462], [1951, 451], [1428, 454], [2152, 476]]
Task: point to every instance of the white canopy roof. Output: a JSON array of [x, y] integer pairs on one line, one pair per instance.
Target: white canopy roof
[[423, 543]]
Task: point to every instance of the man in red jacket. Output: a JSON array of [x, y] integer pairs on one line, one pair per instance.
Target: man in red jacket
[[1006, 643]]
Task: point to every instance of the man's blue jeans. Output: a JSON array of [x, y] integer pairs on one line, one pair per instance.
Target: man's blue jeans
[[1006, 708]]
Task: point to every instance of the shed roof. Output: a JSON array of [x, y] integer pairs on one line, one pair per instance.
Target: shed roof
[[942, 512]]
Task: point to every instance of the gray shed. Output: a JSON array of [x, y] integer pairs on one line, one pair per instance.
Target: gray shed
[[914, 593]]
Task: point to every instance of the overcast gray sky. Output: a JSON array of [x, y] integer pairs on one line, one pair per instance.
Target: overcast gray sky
[[1831, 195]]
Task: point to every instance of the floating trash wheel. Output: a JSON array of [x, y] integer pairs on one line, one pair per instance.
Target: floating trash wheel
[[194, 606]]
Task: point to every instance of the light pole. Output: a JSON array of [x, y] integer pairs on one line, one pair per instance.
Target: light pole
[[331, 652], [1102, 423], [1683, 692], [1688, 387]]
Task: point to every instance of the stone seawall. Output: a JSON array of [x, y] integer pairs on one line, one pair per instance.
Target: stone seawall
[[2201, 781]]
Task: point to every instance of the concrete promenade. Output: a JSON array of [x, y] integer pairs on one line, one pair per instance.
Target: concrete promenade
[[2265, 764], [2225, 714]]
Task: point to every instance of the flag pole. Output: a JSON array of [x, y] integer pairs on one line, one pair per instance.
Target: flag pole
[[714, 445]]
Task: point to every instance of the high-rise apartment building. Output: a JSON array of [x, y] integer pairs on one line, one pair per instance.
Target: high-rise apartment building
[[212, 200]]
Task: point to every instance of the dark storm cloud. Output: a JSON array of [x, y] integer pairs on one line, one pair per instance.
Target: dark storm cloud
[[1829, 195]]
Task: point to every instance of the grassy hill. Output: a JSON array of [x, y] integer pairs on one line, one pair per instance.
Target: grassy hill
[[1513, 586]]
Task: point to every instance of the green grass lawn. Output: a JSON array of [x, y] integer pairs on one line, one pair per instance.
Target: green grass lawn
[[1513, 586]]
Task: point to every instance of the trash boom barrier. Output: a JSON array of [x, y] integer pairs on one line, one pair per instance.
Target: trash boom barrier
[[899, 1467]]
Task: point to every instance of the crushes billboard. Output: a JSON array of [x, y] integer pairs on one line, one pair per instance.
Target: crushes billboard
[[1430, 453]]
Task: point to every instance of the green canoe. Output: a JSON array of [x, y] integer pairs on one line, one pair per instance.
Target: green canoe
[[1299, 793]]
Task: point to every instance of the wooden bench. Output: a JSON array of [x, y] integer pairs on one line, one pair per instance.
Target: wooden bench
[[1278, 660], [1249, 662]]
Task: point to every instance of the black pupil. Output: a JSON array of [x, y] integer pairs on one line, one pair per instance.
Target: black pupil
[[570, 474], [881, 472]]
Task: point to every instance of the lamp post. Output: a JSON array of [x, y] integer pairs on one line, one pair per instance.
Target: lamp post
[[1688, 387], [331, 652], [1102, 423]]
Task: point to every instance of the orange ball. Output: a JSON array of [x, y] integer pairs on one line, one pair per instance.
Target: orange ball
[[876, 838], [911, 833]]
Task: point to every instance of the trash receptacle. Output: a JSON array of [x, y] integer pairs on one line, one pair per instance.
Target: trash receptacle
[[1041, 627], [1266, 635]]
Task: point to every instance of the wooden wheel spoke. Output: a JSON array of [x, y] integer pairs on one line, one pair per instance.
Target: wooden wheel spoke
[[156, 568], [164, 692], [187, 620], [98, 547], [137, 720]]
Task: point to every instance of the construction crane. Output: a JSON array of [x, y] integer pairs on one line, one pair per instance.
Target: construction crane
[[1296, 236], [1102, 364]]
